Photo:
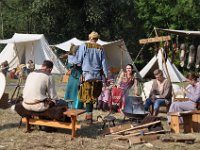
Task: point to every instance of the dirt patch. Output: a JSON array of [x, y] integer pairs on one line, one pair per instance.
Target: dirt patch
[[89, 136]]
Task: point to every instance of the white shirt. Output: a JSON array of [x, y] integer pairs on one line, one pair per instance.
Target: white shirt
[[193, 92], [38, 86]]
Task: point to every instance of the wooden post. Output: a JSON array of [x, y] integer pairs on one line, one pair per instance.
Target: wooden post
[[28, 126], [73, 126], [187, 120], [175, 124]]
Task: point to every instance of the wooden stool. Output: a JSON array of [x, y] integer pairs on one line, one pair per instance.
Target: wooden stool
[[187, 121], [72, 113]]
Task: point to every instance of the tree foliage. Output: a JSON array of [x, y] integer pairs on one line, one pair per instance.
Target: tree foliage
[[122, 19]]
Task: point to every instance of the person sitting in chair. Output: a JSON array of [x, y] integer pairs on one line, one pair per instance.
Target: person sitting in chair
[[192, 92], [160, 94], [39, 92]]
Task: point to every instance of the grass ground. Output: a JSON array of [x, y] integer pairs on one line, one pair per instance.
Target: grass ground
[[14, 138]]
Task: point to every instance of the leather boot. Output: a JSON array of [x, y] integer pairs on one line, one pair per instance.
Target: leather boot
[[89, 119]]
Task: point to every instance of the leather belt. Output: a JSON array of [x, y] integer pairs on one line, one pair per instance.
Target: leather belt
[[34, 102]]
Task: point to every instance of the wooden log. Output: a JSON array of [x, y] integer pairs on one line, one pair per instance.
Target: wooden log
[[116, 129], [138, 127]]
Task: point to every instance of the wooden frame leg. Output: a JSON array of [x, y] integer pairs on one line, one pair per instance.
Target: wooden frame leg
[[175, 124], [28, 126], [73, 126], [187, 120]]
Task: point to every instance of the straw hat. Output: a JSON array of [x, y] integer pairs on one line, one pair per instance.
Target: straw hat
[[94, 35]]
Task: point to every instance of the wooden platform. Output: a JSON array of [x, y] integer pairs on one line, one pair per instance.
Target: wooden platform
[[72, 113], [191, 121]]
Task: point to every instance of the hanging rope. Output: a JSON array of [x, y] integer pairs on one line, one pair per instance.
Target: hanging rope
[[142, 48]]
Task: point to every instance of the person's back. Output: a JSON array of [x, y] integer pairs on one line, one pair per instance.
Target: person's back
[[36, 86], [92, 57], [39, 87]]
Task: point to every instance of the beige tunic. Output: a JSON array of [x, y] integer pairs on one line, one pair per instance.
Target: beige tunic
[[163, 91], [38, 87]]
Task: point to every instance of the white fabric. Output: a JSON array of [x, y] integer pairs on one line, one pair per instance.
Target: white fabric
[[117, 55], [23, 47], [193, 92], [3, 84], [157, 63]]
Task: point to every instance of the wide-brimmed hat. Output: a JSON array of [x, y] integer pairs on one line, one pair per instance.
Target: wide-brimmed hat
[[94, 35]]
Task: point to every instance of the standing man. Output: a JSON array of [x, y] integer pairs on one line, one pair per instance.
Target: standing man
[[160, 94], [91, 57], [39, 91]]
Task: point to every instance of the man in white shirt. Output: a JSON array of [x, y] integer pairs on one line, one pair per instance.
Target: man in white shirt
[[39, 91]]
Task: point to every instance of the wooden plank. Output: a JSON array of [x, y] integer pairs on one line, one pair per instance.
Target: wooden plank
[[134, 140], [50, 123], [179, 138], [143, 130], [113, 136], [187, 123], [155, 39], [181, 99], [139, 133], [175, 124], [116, 128], [154, 132], [74, 112], [138, 127], [121, 146], [148, 138], [173, 114]]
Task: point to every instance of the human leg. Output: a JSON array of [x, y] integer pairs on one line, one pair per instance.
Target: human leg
[[89, 110], [157, 104], [147, 104], [181, 106]]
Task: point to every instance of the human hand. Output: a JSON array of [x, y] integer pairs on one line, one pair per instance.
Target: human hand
[[183, 90]]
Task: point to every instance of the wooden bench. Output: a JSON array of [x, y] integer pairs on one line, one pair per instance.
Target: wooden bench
[[72, 113], [191, 121]]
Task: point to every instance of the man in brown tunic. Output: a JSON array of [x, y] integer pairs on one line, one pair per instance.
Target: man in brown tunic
[[160, 94]]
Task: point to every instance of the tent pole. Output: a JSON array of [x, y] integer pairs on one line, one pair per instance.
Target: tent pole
[[165, 63]]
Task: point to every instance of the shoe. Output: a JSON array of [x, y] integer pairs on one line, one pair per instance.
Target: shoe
[[88, 119]]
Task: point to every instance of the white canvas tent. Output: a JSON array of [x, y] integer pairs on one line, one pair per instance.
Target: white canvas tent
[[157, 62], [117, 55], [22, 47]]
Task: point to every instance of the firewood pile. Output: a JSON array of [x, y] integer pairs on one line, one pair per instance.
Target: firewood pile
[[126, 135]]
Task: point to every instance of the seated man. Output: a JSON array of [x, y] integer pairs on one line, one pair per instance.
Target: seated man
[[192, 91], [39, 91], [160, 94]]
